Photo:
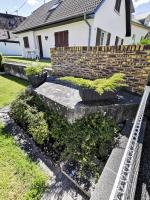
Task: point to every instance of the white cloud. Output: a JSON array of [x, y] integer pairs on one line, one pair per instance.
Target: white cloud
[[32, 2], [139, 2]]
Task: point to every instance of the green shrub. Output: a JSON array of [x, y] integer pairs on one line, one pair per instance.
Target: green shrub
[[38, 128], [85, 141], [34, 70], [145, 41], [30, 119], [1, 63], [99, 85]]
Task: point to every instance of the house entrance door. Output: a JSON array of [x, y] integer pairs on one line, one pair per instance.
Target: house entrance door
[[40, 46]]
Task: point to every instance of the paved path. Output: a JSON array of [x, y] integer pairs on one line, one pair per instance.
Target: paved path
[[143, 184], [60, 187]]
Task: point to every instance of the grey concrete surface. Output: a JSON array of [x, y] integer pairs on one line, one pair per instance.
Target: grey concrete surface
[[67, 101]]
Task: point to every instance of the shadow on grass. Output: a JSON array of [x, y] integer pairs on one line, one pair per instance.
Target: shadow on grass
[[45, 60], [16, 79]]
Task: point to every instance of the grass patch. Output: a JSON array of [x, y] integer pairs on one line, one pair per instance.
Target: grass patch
[[9, 88], [42, 62], [20, 178]]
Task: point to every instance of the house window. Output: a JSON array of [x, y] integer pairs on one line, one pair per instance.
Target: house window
[[118, 5], [26, 42], [133, 38], [102, 38], [61, 39], [108, 39], [117, 41], [122, 41], [98, 36]]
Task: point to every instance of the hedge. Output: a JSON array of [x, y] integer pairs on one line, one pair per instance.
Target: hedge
[[87, 141]]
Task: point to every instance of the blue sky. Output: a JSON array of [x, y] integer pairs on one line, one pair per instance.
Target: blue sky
[[28, 6]]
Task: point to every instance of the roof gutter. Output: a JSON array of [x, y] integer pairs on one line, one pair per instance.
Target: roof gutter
[[90, 29], [56, 23]]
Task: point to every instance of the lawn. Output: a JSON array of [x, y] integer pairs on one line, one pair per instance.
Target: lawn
[[20, 178], [43, 62], [9, 88]]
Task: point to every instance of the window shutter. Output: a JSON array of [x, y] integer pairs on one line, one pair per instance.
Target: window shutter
[[65, 38], [98, 36], [61, 39], [122, 41], [26, 42]]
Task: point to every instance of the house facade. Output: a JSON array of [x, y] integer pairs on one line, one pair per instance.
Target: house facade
[[138, 31], [9, 42], [75, 23]]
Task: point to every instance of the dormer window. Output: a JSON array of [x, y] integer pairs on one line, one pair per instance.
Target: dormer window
[[55, 5], [118, 5]]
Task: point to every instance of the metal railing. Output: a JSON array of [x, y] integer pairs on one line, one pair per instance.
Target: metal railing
[[127, 173]]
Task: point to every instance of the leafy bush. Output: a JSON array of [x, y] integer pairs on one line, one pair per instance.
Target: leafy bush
[[1, 63], [38, 128], [30, 119], [145, 41], [34, 70], [86, 141], [99, 85]]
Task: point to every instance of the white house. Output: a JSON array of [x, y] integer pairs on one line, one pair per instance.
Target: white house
[[60, 23], [144, 18], [138, 31], [9, 43]]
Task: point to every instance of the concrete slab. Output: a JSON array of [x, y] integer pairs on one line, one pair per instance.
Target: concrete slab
[[65, 99], [65, 96]]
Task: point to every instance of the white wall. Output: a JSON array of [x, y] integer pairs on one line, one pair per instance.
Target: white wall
[[138, 31], [109, 20], [10, 49], [78, 36], [106, 18], [31, 38]]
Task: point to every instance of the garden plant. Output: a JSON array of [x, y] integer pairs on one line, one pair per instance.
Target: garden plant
[[88, 141], [99, 85]]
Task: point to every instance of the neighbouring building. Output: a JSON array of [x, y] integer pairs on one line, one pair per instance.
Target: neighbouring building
[[138, 31], [9, 42], [61, 23], [144, 18]]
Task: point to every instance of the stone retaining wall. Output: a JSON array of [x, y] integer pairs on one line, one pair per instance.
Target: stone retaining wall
[[15, 69], [98, 62]]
